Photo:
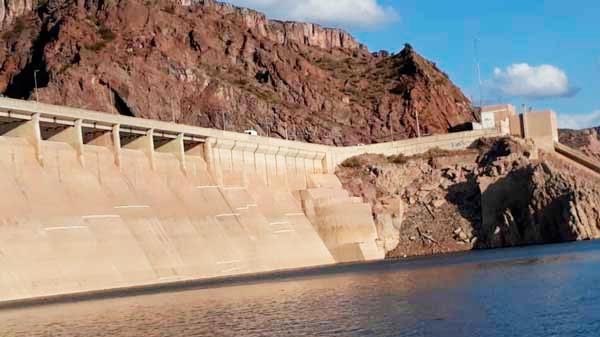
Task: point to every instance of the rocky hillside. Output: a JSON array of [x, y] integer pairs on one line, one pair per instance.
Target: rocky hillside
[[500, 194], [586, 141], [215, 65]]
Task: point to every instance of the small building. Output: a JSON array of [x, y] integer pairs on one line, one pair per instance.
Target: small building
[[538, 125]]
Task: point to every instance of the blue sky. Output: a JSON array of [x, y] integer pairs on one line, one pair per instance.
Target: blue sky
[[545, 54]]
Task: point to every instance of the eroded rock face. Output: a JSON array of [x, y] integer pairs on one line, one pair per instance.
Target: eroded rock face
[[505, 194], [214, 65], [421, 205], [539, 202], [283, 32]]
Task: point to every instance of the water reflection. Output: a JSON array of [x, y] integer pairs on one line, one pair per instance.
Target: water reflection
[[536, 295]]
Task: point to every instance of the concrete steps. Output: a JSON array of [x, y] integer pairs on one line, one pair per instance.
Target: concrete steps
[[344, 223]]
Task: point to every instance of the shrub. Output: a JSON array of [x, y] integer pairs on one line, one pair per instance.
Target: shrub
[[17, 28], [96, 46], [398, 159], [353, 162], [169, 9], [107, 34], [437, 152]]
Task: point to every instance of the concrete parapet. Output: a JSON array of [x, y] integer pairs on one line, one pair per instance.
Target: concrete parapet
[[30, 130], [452, 141], [177, 147], [73, 136], [144, 143]]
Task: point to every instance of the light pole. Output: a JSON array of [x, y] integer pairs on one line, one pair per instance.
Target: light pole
[[392, 125], [37, 98], [172, 111], [478, 65], [111, 98], [223, 116], [418, 126]]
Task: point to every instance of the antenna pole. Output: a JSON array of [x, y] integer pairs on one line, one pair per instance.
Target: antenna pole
[[476, 47], [418, 126], [37, 98]]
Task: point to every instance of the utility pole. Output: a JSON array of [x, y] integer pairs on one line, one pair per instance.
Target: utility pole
[[111, 100], [475, 43], [392, 125], [418, 126], [37, 98], [172, 111]]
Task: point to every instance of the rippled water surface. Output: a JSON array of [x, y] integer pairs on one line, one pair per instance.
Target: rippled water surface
[[541, 291]]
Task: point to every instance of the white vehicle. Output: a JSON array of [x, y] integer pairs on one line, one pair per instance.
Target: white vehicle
[[251, 132]]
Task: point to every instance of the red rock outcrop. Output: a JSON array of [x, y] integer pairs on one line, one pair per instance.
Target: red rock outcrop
[[283, 32], [211, 64]]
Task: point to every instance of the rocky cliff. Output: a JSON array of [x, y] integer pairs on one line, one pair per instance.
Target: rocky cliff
[[215, 65], [500, 194]]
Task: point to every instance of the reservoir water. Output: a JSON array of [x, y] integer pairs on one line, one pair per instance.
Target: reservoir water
[[536, 291]]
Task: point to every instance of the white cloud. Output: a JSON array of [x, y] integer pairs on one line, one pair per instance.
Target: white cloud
[[523, 80], [579, 121], [338, 13]]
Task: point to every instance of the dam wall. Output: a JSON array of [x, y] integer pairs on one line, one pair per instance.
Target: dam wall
[[95, 202]]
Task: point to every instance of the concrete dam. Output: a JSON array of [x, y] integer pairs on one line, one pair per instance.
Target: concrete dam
[[95, 202]]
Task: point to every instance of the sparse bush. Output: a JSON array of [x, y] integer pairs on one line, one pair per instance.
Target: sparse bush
[[107, 34], [267, 96], [96, 46], [63, 69], [42, 3], [17, 28], [436, 152], [169, 9], [398, 159], [353, 162]]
